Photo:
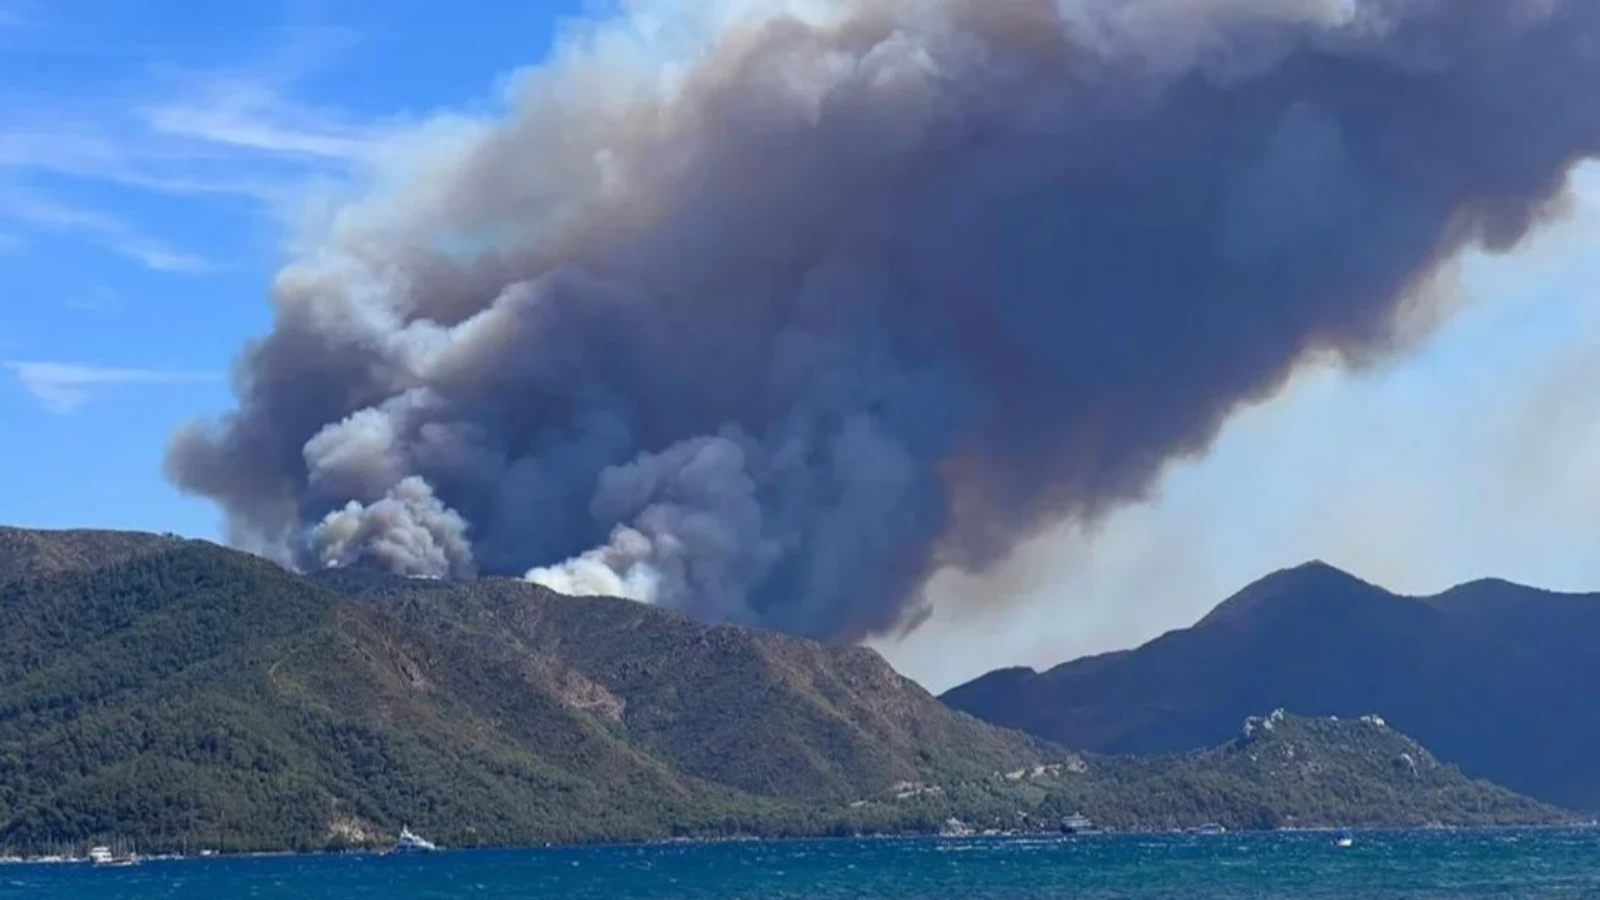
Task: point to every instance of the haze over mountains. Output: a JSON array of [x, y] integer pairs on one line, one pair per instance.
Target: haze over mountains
[[175, 693], [1491, 675]]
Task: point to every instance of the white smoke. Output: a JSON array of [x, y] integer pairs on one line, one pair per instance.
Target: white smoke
[[409, 532]]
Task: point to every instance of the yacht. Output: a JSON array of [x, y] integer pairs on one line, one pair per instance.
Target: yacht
[[1078, 823], [955, 828], [411, 842], [103, 856], [1343, 838]]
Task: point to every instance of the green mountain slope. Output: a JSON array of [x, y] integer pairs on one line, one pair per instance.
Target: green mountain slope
[[26, 553], [1290, 771], [761, 712], [183, 694], [197, 694]]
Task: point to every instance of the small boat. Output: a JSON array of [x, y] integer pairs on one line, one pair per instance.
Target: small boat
[[1343, 838], [411, 842], [955, 828], [1208, 828], [103, 856], [1077, 823]]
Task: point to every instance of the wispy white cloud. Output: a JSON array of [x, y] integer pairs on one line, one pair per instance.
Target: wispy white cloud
[[87, 152], [101, 228], [255, 117], [253, 112], [63, 388], [254, 144], [242, 133]]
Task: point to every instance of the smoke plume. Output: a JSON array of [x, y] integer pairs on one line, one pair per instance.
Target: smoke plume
[[769, 313]]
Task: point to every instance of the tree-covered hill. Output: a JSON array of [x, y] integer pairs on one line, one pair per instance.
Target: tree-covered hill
[[1485, 674], [180, 694], [1286, 771]]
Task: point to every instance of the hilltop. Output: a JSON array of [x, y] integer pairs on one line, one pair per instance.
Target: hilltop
[[181, 693], [1485, 674], [26, 553], [1283, 771]]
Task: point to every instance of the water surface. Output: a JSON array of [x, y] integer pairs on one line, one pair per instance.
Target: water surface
[[1434, 864]]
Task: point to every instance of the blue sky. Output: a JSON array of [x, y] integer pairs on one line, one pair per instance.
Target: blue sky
[[150, 155]]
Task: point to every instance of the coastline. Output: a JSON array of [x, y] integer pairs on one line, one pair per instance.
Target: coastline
[[708, 841]]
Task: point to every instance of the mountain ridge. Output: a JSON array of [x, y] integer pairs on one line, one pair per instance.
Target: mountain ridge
[[27, 552], [423, 707], [197, 695], [1481, 673]]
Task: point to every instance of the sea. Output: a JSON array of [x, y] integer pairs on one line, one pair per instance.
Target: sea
[[1395, 864]]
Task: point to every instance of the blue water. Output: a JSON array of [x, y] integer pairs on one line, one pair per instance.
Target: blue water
[[1498, 864]]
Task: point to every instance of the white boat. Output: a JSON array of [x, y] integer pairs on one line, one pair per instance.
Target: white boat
[[1343, 838], [955, 828], [411, 842], [1209, 828], [1077, 823], [103, 856]]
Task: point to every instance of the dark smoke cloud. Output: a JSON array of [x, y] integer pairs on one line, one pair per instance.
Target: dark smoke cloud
[[771, 326]]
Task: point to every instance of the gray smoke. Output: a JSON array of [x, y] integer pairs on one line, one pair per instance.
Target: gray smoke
[[769, 313]]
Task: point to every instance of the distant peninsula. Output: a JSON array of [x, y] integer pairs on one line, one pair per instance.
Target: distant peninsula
[[1486, 674]]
